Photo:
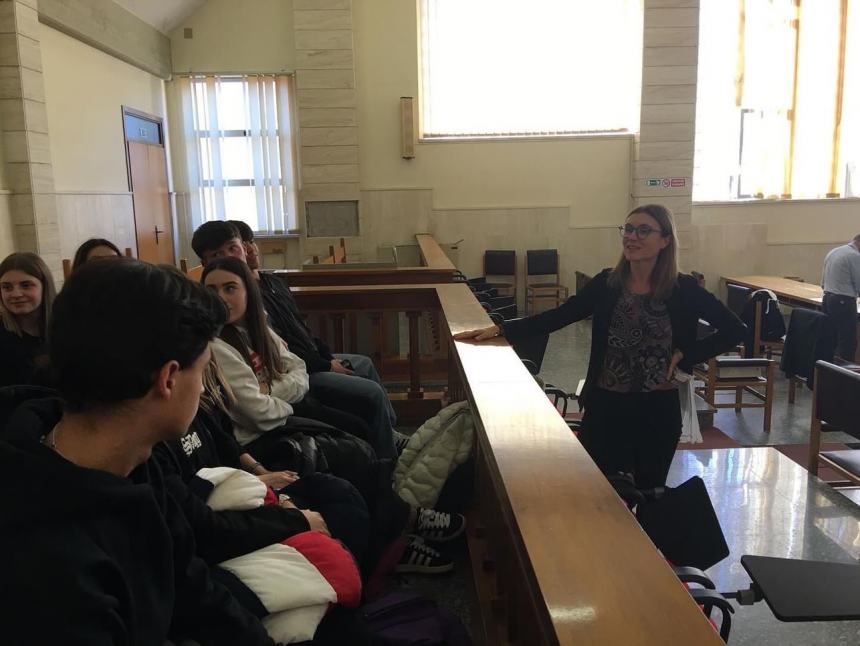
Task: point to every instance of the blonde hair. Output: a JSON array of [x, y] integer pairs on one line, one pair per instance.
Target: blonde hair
[[216, 390], [664, 276], [34, 266]]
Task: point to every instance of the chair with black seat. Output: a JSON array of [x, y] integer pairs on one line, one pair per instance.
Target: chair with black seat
[[500, 264], [811, 337], [543, 263], [754, 376], [835, 407]]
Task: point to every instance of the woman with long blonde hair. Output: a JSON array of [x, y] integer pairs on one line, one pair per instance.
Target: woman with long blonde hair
[[644, 335]]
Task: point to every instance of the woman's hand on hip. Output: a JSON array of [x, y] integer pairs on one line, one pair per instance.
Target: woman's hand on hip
[[481, 334], [676, 359]]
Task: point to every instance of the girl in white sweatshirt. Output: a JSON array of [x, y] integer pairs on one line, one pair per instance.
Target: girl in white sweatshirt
[[265, 376]]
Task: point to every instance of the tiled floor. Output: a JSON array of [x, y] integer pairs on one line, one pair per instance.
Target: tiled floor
[[767, 505]]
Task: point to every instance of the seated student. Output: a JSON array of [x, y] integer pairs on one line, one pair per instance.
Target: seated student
[[357, 364], [270, 382], [26, 296], [102, 554], [95, 248], [330, 382], [222, 535]]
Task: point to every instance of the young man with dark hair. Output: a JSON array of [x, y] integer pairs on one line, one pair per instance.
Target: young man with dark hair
[[356, 391], [97, 550]]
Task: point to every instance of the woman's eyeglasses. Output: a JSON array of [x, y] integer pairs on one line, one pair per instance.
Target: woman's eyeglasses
[[641, 232]]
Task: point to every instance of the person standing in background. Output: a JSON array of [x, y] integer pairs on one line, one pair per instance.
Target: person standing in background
[[841, 284]]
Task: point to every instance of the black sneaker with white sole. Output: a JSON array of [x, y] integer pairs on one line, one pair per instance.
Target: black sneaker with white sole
[[439, 526], [420, 558]]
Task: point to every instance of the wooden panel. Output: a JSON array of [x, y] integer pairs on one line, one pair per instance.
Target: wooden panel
[[329, 19], [432, 254]]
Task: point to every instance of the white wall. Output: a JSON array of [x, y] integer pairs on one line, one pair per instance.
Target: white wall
[[236, 36], [504, 194], [85, 90]]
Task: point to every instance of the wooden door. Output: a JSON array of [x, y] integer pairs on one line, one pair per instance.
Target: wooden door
[[147, 168]]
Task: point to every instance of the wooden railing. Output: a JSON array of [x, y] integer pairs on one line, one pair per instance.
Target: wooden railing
[[436, 269], [557, 557]]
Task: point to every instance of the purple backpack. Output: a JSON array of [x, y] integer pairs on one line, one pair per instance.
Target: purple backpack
[[407, 619]]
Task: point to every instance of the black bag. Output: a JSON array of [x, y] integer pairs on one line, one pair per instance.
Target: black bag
[[683, 525], [772, 323]]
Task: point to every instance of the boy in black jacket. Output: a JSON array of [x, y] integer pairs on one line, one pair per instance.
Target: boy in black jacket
[[97, 551]]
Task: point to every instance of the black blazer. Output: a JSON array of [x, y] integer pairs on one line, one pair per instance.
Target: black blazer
[[688, 303]]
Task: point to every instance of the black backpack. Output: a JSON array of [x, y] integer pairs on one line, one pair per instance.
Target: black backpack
[[772, 323]]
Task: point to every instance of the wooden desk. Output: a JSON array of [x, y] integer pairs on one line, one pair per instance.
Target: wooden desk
[[792, 293], [572, 564]]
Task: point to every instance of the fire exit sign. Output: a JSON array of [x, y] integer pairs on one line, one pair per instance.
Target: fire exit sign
[[666, 182]]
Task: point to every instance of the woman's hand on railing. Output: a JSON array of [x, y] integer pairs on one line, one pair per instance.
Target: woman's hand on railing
[[481, 334]]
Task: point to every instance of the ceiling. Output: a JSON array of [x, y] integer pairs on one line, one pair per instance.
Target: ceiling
[[164, 15]]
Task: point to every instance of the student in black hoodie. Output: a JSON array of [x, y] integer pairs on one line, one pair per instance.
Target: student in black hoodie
[[26, 296], [97, 550], [339, 508]]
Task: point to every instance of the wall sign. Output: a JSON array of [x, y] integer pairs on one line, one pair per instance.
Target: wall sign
[[666, 182]]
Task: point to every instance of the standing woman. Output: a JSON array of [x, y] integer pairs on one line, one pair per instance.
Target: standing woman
[[645, 321], [26, 296]]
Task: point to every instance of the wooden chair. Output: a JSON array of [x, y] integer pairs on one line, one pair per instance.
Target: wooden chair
[[835, 407], [194, 273], [335, 256], [501, 264], [811, 337], [67, 263], [737, 297], [753, 376], [543, 262]]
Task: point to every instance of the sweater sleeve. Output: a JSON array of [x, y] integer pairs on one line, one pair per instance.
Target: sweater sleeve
[[259, 411], [293, 385], [730, 329], [579, 306]]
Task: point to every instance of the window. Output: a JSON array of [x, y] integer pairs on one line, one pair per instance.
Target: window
[[239, 150], [778, 107], [494, 68]]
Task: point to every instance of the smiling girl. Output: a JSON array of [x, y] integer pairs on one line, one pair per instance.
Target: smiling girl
[[26, 296]]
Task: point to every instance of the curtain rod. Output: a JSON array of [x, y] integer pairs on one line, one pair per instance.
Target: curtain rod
[[280, 73]]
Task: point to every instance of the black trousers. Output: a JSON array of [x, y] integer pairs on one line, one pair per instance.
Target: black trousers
[[842, 310], [632, 433]]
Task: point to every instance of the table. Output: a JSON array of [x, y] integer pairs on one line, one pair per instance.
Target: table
[[791, 292], [788, 291], [806, 590]]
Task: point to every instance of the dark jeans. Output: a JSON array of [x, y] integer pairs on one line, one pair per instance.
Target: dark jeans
[[340, 505], [842, 310], [632, 433]]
